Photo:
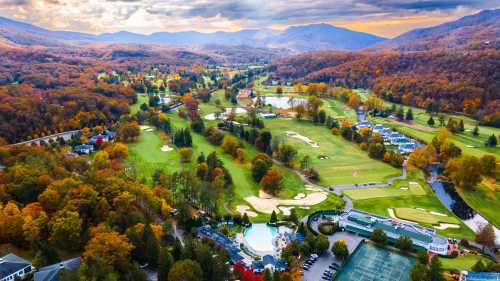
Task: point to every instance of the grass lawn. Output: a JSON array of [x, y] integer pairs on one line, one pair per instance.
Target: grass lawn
[[423, 216], [141, 98], [429, 202], [462, 263], [483, 198], [397, 189], [145, 156], [338, 109], [346, 163]]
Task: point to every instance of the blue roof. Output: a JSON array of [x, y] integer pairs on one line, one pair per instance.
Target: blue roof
[[483, 276], [11, 264], [51, 272]]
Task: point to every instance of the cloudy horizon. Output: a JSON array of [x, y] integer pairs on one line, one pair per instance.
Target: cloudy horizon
[[387, 18]]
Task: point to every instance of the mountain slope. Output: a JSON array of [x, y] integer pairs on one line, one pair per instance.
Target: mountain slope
[[322, 36], [480, 28], [297, 38]]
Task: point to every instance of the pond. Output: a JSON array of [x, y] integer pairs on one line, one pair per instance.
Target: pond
[[280, 102], [262, 239]]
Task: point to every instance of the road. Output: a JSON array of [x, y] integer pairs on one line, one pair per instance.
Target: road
[[64, 135]]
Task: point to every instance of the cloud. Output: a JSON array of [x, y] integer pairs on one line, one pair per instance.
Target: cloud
[[147, 16]]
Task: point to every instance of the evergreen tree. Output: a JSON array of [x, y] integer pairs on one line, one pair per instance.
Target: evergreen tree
[[293, 216], [378, 236], [400, 114], [431, 122], [152, 246], [475, 132], [409, 115], [276, 276], [492, 141], [435, 270], [245, 219], [274, 218], [461, 126]]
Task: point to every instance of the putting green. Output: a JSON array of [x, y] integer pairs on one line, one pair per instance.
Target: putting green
[[422, 216]]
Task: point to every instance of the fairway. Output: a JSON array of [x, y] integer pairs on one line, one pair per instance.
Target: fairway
[[346, 163], [401, 189]]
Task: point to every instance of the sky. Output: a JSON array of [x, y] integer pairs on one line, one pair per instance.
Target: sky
[[387, 18]]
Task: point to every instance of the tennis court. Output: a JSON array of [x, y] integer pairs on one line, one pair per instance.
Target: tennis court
[[371, 263]]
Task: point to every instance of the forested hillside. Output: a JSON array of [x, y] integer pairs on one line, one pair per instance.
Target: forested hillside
[[467, 81]]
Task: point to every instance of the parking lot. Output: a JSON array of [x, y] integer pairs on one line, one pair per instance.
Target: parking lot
[[322, 264]]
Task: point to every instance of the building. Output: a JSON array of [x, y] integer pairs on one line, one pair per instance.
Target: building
[[220, 239], [13, 268], [363, 224], [268, 115], [84, 148], [268, 262], [52, 272], [479, 276]]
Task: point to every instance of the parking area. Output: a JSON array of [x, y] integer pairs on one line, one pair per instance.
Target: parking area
[[326, 263]]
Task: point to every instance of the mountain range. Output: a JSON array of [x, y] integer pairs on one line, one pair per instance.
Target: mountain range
[[481, 28], [296, 38]]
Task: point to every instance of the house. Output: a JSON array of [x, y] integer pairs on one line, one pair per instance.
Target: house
[[84, 148], [99, 139], [378, 128], [407, 148], [52, 272], [400, 140], [363, 124], [268, 115], [13, 268]]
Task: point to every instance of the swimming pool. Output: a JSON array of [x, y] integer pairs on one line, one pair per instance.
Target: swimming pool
[[262, 239], [372, 263]]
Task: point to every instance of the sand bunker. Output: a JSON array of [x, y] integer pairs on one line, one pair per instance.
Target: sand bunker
[[438, 214], [292, 134], [299, 196], [312, 188], [242, 209], [442, 226], [285, 210], [166, 148], [268, 205], [146, 128]]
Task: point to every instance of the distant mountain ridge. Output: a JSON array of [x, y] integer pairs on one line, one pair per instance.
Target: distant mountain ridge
[[468, 31], [296, 38]]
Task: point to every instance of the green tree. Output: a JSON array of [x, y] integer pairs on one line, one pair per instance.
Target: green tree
[[431, 122], [378, 236], [488, 165], [404, 243], [287, 153], [165, 262], [66, 230], [492, 141], [293, 216], [461, 126], [400, 113], [152, 246], [274, 218], [339, 249], [185, 270], [475, 132], [419, 273], [435, 270], [321, 245], [267, 275], [409, 115]]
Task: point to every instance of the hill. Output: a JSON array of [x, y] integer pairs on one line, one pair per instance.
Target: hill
[[296, 38], [468, 32]]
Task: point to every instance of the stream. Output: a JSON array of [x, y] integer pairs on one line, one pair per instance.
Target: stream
[[452, 201]]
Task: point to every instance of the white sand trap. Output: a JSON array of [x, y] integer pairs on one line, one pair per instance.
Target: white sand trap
[[299, 196], [421, 209], [145, 127], [292, 134], [264, 195], [470, 146], [404, 188], [166, 148], [312, 188], [285, 210], [242, 209], [438, 214], [268, 205], [442, 226]]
